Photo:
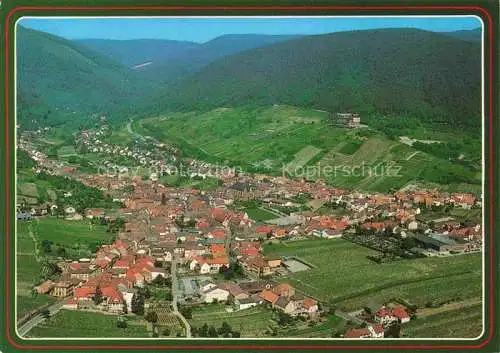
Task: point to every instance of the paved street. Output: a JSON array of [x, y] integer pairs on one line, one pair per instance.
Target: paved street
[[175, 297], [34, 321]]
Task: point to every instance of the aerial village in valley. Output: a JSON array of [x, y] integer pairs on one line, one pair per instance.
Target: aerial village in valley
[[180, 248]]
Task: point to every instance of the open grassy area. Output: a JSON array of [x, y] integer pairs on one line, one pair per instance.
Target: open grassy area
[[251, 322], [463, 323], [120, 136], [69, 233], [69, 323], [344, 275], [258, 214], [65, 151], [321, 329]]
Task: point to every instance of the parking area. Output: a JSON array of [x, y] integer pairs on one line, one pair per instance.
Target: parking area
[[294, 265]]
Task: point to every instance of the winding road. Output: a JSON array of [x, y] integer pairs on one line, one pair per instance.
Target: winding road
[[175, 297], [23, 329]]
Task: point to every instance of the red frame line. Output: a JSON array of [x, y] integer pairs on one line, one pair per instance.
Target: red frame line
[[242, 8]]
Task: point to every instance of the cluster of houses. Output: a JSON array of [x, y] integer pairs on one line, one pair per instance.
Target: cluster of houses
[[202, 231], [381, 318], [245, 295], [112, 275]]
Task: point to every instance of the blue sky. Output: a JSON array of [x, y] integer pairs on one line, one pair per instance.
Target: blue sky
[[205, 29]]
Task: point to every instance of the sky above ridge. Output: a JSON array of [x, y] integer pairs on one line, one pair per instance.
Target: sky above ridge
[[204, 29]]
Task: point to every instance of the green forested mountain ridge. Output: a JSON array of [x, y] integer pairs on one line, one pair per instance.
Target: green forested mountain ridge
[[411, 72], [138, 51], [67, 77], [471, 35], [184, 63]]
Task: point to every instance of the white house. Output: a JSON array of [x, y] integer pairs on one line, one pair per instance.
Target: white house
[[69, 210], [246, 303], [215, 294], [207, 286], [412, 225], [127, 296], [155, 272]]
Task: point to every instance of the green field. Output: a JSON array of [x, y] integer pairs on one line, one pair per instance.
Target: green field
[[343, 275], [463, 322], [265, 139], [252, 322], [69, 233], [69, 323], [28, 272], [30, 187], [258, 214], [66, 151], [322, 329]]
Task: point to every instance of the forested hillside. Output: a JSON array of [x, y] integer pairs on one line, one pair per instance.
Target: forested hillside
[[426, 75], [57, 75]]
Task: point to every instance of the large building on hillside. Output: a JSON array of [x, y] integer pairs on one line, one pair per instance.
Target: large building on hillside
[[346, 120]]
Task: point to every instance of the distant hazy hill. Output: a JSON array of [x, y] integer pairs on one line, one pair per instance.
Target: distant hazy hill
[[186, 62], [138, 51], [69, 77], [392, 71], [472, 35]]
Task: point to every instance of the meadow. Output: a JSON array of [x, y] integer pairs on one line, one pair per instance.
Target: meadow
[[345, 277], [68, 323], [70, 233], [258, 214]]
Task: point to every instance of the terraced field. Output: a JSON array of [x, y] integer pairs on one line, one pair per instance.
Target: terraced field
[[266, 139], [251, 322], [168, 320], [463, 322], [343, 275]]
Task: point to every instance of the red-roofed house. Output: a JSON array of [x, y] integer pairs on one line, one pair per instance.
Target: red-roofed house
[[402, 314], [217, 250], [263, 229], [202, 224], [284, 290], [385, 316], [208, 265], [84, 294], [218, 234], [371, 331], [310, 306], [269, 296], [113, 299], [95, 213]]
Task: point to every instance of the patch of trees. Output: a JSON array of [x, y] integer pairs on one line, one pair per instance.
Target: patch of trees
[[84, 164], [186, 311], [115, 226], [151, 317], [24, 161], [234, 270], [49, 270], [162, 281], [225, 330], [82, 197], [138, 304]]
